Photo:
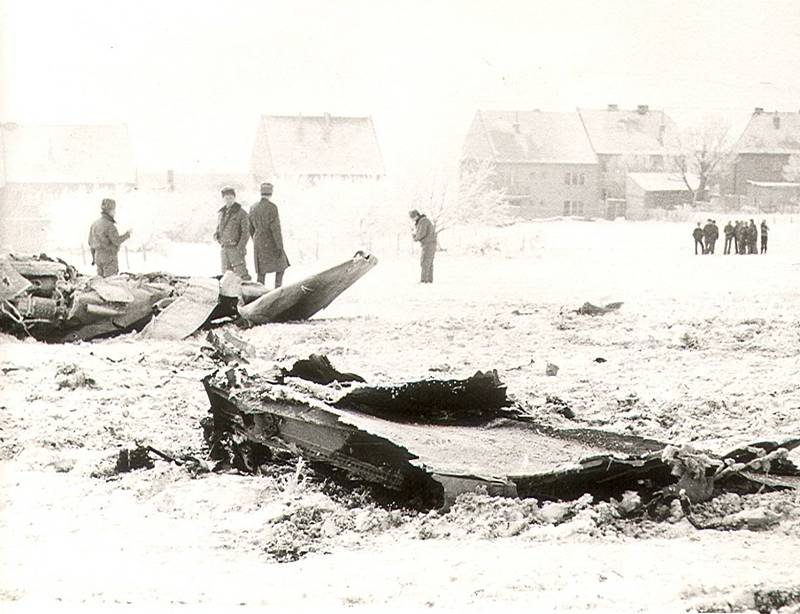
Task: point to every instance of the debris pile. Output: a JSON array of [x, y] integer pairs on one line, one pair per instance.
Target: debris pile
[[588, 309], [371, 436], [47, 299], [72, 377]]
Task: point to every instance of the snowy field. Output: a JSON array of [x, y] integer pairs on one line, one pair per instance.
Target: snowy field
[[705, 350]]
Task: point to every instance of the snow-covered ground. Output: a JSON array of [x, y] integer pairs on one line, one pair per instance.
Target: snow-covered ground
[[704, 350]]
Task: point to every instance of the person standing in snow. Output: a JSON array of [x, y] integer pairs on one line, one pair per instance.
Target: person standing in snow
[[697, 233], [232, 234], [710, 234], [764, 234], [265, 228], [739, 236], [752, 238], [105, 240], [425, 233], [728, 238]]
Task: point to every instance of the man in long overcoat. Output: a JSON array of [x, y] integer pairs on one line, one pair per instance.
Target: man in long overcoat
[[105, 240], [425, 233], [232, 234], [265, 228]]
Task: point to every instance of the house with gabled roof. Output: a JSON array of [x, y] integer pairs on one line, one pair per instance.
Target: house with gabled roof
[[765, 147], [543, 160], [44, 164], [629, 140], [316, 147]]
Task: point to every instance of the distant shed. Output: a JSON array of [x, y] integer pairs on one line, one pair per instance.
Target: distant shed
[[645, 192]]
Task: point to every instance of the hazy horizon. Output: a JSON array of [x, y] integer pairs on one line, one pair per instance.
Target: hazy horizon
[[190, 79]]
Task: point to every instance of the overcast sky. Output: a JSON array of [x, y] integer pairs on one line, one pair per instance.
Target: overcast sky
[[191, 78]]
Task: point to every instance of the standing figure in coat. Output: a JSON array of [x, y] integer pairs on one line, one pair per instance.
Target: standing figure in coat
[[105, 240], [697, 233], [752, 238], [728, 238], [764, 236], [232, 234], [265, 228], [425, 233]]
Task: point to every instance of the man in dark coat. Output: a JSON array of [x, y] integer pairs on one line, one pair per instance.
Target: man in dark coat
[[728, 237], [752, 238], [232, 234], [764, 235], [697, 233], [739, 236], [265, 228], [425, 233], [105, 240], [710, 234]]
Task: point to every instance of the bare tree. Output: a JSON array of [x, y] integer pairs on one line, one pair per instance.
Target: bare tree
[[705, 151], [470, 196]]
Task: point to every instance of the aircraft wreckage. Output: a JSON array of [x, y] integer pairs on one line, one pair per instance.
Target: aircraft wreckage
[[420, 444], [49, 300]]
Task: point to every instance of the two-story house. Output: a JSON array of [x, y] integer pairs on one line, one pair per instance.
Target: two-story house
[[624, 140], [543, 160], [765, 148]]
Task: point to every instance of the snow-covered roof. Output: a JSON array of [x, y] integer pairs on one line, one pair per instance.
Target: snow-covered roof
[[528, 136], [616, 131], [664, 182], [67, 154], [298, 145], [770, 133]]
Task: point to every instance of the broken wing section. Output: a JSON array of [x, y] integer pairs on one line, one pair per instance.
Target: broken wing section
[[303, 299]]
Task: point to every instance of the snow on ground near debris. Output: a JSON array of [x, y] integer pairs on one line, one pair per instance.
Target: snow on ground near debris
[[703, 350]]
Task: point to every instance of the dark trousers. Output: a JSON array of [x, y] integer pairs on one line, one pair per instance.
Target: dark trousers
[[710, 247], [700, 243], [426, 262], [763, 245], [728, 241]]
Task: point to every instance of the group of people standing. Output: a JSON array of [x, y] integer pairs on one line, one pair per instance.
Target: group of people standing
[[235, 227], [740, 236]]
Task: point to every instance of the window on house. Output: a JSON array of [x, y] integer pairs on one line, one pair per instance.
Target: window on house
[[567, 209], [582, 179], [567, 177], [574, 178]]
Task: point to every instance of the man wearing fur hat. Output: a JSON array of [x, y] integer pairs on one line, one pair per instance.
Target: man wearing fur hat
[[105, 240], [425, 233], [265, 228], [232, 234]]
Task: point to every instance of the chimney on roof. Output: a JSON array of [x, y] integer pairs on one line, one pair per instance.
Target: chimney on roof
[[661, 130], [516, 123], [642, 109], [758, 110], [776, 121], [613, 107]]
